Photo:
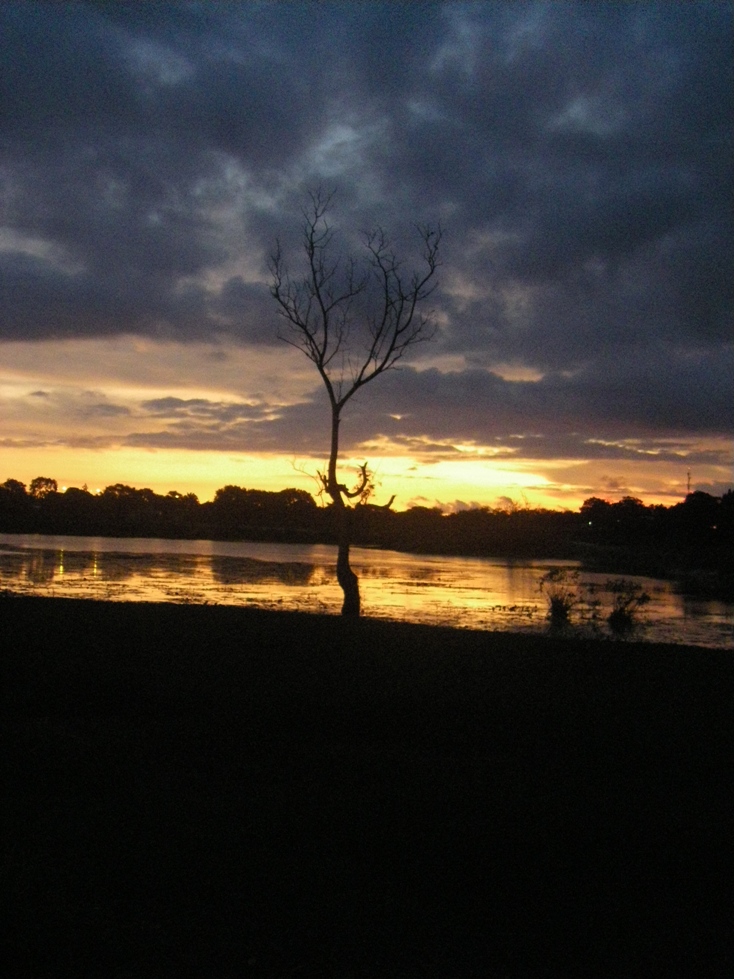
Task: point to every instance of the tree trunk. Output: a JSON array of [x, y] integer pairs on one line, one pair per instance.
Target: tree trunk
[[348, 580]]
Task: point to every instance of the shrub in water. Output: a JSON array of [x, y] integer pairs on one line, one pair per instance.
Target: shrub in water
[[629, 597], [560, 586]]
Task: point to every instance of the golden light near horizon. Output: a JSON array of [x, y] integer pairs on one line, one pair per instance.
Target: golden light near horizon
[[480, 481], [202, 473], [448, 484], [205, 472]]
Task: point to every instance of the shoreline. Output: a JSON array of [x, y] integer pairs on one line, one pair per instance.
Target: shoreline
[[574, 633], [141, 576]]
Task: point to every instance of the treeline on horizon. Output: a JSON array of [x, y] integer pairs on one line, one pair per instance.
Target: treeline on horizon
[[698, 532]]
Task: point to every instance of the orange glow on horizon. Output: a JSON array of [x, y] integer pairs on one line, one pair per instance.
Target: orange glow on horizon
[[71, 410], [449, 484]]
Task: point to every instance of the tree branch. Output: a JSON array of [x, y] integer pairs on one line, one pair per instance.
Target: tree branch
[[354, 318]]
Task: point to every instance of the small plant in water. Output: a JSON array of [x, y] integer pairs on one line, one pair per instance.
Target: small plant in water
[[560, 587], [629, 597]]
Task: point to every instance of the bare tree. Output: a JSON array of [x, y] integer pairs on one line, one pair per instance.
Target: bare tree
[[354, 318]]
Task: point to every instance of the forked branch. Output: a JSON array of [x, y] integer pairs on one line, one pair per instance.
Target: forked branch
[[353, 318]]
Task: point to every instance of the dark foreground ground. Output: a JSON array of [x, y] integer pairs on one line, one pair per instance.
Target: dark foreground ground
[[216, 792]]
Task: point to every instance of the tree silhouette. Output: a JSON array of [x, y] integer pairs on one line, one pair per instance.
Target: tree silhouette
[[354, 317], [42, 486]]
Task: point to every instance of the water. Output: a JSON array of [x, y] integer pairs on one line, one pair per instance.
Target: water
[[488, 593]]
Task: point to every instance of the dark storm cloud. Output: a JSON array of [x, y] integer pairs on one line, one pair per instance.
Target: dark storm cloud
[[578, 154], [673, 395]]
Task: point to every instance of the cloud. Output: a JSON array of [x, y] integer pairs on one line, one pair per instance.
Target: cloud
[[675, 393], [578, 155]]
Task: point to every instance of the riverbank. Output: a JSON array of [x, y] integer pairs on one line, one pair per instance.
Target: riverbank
[[228, 792]]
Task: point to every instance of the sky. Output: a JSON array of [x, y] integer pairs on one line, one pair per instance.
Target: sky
[[577, 156]]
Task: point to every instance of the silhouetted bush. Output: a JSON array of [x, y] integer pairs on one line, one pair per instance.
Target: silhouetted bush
[[629, 598], [561, 588]]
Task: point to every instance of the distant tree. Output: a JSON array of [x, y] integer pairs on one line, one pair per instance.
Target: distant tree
[[594, 506], [701, 502], [295, 506], [14, 487], [74, 493], [15, 507], [354, 318], [231, 499], [296, 498], [73, 512], [697, 517], [42, 486], [118, 491], [182, 499], [127, 511], [630, 505], [597, 516], [261, 511]]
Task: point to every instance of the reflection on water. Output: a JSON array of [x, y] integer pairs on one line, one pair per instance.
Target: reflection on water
[[493, 594]]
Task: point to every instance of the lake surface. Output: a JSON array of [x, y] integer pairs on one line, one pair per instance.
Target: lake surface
[[486, 593]]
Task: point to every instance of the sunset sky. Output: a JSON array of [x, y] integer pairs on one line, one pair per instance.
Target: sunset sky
[[577, 155]]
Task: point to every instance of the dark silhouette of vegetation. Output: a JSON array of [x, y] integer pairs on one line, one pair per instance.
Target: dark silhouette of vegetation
[[566, 595], [560, 586], [691, 541], [354, 318], [629, 598], [41, 486]]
